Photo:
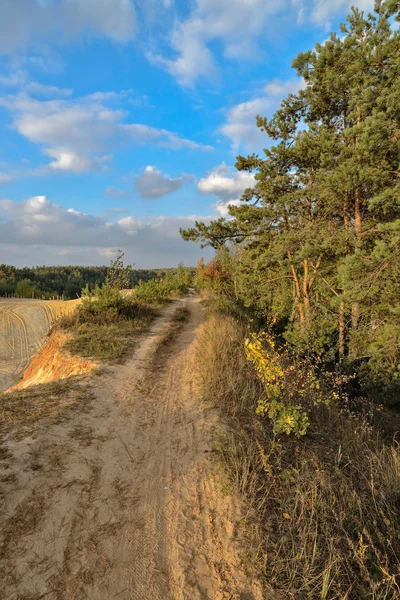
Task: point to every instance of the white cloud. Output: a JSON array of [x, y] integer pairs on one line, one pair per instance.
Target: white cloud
[[225, 21], [33, 88], [71, 161], [24, 22], [152, 183], [322, 11], [240, 126], [115, 193], [38, 231], [227, 184], [15, 79], [77, 131], [238, 28], [143, 134]]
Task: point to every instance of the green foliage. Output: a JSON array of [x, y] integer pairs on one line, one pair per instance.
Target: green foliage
[[104, 326], [285, 419], [118, 276], [157, 291], [24, 289], [315, 245]]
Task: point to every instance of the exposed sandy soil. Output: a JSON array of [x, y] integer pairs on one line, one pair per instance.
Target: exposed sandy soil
[[53, 363], [24, 325], [120, 501]]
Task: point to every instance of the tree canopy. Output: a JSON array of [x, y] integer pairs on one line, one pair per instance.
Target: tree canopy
[[315, 245]]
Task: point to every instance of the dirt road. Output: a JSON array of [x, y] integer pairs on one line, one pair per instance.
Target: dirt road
[[119, 501], [24, 325]]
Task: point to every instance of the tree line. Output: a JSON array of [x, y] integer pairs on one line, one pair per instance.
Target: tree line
[[67, 282], [313, 250]]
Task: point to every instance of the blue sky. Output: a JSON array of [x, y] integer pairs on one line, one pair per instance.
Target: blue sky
[[120, 120]]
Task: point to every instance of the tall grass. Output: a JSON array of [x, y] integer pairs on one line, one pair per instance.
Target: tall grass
[[324, 510]]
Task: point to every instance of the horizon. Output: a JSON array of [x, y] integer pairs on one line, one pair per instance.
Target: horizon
[[121, 123]]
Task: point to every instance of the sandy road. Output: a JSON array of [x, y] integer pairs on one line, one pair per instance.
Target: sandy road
[[24, 325], [119, 502]]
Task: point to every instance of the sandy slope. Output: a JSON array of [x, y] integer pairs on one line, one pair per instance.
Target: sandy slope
[[24, 325], [119, 502]]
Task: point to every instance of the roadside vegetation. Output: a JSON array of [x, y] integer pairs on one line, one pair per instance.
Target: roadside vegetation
[[301, 350], [106, 324], [320, 472]]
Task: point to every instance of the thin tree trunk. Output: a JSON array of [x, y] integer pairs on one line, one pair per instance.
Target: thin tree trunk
[[297, 296], [306, 294], [355, 310], [342, 330], [342, 306]]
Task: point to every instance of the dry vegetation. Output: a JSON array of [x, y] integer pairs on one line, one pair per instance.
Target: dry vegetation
[[323, 519], [21, 411], [107, 335]]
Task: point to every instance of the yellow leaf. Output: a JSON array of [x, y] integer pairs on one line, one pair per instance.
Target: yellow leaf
[[286, 516]]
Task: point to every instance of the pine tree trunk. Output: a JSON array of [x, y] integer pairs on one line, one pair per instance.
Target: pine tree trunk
[[298, 297], [342, 330], [355, 310], [342, 306], [306, 295]]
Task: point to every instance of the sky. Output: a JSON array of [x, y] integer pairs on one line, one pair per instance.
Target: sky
[[120, 120]]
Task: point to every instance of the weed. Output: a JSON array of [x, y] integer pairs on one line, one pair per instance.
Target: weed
[[324, 508]]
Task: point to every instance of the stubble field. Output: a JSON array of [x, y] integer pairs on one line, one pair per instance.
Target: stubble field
[[24, 325]]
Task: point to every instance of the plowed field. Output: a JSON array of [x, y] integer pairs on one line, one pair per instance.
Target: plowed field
[[24, 325]]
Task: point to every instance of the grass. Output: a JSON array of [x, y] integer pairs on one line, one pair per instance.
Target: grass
[[323, 511], [105, 334], [21, 411]]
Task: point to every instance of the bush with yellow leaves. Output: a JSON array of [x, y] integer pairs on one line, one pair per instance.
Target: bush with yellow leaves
[[286, 418]]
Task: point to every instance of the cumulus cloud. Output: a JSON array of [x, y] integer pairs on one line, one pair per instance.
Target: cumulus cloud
[[62, 20], [238, 27], [71, 161], [75, 132], [240, 126], [227, 184], [40, 231], [225, 21], [152, 183]]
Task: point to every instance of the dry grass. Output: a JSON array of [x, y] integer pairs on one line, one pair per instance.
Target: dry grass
[[21, 411], [107, 335], [323, 510]]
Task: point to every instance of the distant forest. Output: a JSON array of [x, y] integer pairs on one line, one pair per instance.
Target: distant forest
[[49, 282]]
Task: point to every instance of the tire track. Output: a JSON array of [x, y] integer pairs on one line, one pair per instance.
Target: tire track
[[132, 510]]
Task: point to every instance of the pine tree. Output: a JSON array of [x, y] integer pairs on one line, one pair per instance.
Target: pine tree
[[320, 228]]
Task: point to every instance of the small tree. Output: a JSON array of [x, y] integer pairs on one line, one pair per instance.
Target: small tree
[[119, 277], [109, 296], [24, 289]]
